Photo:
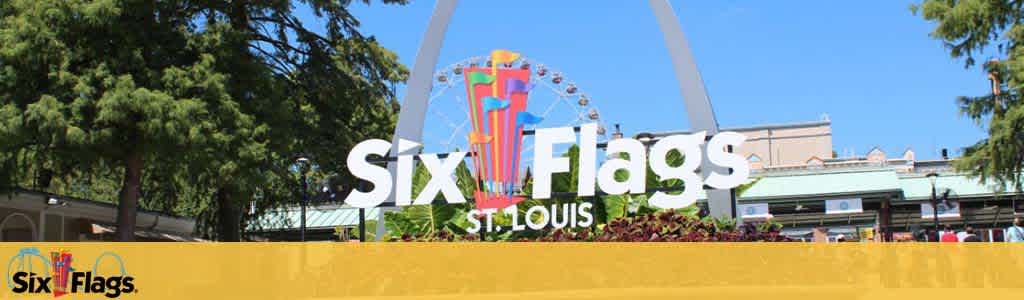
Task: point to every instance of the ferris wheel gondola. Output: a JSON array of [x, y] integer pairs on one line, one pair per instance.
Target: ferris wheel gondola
[[556, 99]]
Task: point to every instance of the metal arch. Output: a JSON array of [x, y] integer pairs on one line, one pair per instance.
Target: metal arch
[[698, 105], [695, 97], [25, 255], [120, 262]]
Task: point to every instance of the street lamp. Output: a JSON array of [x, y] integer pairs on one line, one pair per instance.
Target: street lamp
[[618, 132], [645, 137], [932, 177], [303, 163]]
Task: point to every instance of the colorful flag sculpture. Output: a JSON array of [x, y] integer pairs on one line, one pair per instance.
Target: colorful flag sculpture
[[60, 270], [497, 108]]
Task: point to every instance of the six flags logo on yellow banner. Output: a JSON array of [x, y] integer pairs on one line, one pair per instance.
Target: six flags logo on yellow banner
[[497, 101], [31, 273]]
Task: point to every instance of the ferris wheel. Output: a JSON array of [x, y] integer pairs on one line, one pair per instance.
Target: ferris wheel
[[555, 98]]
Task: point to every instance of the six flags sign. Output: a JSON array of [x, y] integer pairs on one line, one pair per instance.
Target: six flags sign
[[497, 101]]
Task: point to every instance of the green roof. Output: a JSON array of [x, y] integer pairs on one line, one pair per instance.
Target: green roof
[[316, 217], [918, 187], [822, 183]]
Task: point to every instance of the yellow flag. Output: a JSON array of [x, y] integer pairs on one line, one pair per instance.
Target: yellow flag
[[479, 138], [503, 56]]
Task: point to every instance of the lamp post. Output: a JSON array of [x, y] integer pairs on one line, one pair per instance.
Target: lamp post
[[303, 163], [932, 177], [645, 137]]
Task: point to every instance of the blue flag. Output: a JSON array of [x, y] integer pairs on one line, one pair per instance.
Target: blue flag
[[525, 118], [513, 85], [492, 103]]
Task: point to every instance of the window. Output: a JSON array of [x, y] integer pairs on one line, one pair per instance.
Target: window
[[815, 162]]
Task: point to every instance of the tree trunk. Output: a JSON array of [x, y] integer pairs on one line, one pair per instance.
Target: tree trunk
[[128, 204], [229, 217]]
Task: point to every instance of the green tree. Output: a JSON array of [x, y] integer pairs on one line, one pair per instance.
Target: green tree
[[320, 91], [197, 106], [969, 29]]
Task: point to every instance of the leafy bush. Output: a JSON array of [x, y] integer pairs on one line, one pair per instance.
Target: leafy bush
[[665, 226]]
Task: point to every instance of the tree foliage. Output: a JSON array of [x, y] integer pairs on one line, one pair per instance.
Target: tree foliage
[[969, 29], [185, 106]]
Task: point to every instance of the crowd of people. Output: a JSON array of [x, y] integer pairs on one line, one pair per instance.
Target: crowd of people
[[1012, 234]]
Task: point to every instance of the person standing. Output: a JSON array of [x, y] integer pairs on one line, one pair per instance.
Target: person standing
[[948, 235], [1015, 233], [971, 237]]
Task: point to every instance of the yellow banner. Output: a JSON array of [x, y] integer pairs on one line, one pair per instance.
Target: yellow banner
[[511, 271]]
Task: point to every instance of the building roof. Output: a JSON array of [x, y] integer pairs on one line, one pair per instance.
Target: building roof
[[322, 217], [83, 201], [830, 182], [822, 183], [95, 210], [918, 187]]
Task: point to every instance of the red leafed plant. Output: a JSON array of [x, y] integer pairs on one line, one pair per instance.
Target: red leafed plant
[[666, 226]]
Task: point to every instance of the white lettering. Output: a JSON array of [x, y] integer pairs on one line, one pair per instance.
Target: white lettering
[[442, 178], [689, 147], [636, 165], [378, 176], [718, 155], [544, 163], [588, 160]]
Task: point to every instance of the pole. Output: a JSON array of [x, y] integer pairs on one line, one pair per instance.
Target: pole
[[305, 199], [733, 203], [362, 225], [362, 216], [935, 215]]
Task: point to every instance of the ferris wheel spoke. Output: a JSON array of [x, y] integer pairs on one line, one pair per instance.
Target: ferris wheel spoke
[[447, 121], [455, 132], [549, 109], [440, 92], [451, 79], [458, 100]]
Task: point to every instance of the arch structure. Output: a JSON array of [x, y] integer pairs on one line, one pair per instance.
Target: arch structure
[[691, 86]]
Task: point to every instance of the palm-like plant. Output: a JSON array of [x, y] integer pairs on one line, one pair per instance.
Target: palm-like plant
[[430, 219], [625, 205]]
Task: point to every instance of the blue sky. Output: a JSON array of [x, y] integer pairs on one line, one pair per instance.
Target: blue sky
[[869, 65]]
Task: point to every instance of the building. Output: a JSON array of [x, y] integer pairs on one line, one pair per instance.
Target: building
[[34, 216], [781, 145], [795, 174]]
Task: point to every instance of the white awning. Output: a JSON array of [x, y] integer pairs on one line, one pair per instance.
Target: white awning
[[147, 234]]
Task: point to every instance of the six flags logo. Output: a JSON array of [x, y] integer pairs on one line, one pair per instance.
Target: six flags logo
[[497, 108], [497, 104], [59, 277]]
